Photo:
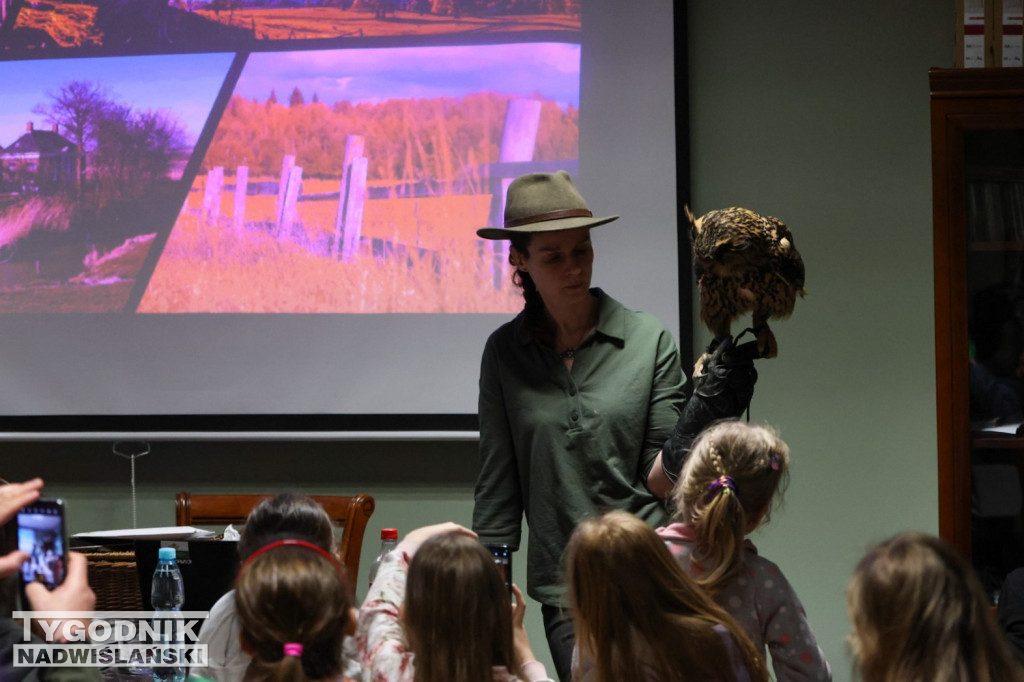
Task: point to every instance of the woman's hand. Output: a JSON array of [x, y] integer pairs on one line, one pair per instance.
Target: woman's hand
[[415, 538]]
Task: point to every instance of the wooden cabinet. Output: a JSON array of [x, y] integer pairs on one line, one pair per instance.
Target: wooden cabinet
[[977, 119]]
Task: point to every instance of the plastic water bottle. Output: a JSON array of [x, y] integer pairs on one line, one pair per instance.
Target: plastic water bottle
[[167, 595], [388, 541]]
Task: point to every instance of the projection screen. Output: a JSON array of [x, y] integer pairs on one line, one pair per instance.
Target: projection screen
[[259, 215]]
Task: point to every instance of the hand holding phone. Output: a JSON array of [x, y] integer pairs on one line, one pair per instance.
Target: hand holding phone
[[42, 535], [502, 554]]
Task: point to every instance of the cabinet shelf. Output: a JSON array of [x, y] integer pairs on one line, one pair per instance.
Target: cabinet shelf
[[986, 442], [994, 174], [996, 246]]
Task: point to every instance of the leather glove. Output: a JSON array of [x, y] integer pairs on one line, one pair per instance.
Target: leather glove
[[723, 385]]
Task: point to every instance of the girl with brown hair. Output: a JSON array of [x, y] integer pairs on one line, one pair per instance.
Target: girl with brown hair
[[919, 614], [439, 611], [733, 475], [294, 606], [640, 618], [289, 515]]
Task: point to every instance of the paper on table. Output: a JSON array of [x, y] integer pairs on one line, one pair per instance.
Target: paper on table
[[1003, 428], [162, 533]]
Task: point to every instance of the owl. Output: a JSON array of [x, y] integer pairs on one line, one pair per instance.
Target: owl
[[745, 262]]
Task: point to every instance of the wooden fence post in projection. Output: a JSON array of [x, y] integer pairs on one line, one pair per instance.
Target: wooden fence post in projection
[[291, 198], [241, 187], [354, 199], [211, 196], [518, 140], [354, 146], [282, 189]]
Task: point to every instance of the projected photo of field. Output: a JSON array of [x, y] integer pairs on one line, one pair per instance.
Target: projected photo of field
[[118, 26], [362, 193], [162, 25], [90, 171]]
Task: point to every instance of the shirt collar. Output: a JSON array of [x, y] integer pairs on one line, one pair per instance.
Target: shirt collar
[[611, 321]]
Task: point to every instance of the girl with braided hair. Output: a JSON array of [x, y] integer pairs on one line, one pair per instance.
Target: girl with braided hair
[[733, 475]]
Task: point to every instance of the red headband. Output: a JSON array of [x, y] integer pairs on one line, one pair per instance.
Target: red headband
[[296, 543]]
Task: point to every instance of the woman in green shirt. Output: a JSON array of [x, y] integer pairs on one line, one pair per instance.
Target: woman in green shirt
[[578, 398]]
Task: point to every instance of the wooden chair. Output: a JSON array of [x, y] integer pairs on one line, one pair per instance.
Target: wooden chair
[[351, 513]]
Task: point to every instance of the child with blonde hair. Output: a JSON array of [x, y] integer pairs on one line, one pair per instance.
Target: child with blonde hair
[[639, 616], [729, 482], [919, 614]]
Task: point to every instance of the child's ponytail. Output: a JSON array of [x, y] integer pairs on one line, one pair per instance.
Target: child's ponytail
[[723, 528], [293, 600], [727, 487]]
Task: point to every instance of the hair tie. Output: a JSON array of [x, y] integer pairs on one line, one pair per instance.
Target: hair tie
[[722, 483], [292, 649], [775, 461]]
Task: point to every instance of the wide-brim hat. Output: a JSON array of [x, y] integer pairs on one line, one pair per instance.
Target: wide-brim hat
[[543, 202]]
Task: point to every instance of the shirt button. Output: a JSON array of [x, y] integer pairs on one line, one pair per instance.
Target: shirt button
[[575, 415], [572, 390]]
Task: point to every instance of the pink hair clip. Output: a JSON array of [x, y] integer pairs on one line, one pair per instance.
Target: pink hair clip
[[292, 649]]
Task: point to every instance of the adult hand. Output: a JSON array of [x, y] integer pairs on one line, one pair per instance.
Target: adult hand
[[74, 594], [14, 496], [722, 389], [415, 538]]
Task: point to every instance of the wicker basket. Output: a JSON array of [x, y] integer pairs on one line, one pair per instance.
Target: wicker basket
[[114, 578]]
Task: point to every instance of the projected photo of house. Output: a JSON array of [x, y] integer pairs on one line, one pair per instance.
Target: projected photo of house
[[352, 181], [144, 26], [90, 172]]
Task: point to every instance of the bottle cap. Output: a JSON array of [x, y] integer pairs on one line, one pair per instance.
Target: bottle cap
[[389, 534], [167, 553]]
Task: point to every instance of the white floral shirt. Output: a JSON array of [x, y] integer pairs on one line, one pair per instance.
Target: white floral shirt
[[383, 650]]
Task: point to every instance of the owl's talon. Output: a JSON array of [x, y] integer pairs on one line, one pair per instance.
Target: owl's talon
[[767, 346]]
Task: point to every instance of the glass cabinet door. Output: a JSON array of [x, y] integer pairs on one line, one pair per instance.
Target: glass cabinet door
[[977, 131], [994, 212]]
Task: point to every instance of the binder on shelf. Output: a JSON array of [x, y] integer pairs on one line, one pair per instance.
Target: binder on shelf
[[989, 33], [973, 33]]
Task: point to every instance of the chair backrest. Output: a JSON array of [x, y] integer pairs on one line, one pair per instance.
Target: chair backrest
[[351, 513]]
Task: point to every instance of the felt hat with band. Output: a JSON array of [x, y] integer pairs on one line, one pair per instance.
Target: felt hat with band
[[543, 202]]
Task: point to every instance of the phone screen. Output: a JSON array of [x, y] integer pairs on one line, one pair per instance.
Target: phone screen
[[503, 559], [41, 535]]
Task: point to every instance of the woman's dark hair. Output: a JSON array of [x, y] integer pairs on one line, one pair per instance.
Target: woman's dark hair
[[536, 319], [286, 516]]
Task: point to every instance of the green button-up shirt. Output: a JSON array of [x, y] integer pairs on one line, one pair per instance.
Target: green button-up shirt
[[562, 445]]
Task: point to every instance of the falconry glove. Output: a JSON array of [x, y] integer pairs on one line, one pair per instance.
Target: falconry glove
[[723, 385]]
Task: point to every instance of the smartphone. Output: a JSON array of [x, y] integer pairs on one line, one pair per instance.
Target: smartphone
[[42, 534], [502, 554]]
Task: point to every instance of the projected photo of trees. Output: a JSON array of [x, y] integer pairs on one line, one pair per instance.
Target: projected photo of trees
[[91, 158], [170, 25], [354, 180]]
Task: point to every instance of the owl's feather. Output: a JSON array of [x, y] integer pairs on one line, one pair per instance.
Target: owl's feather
[[745, 262]]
